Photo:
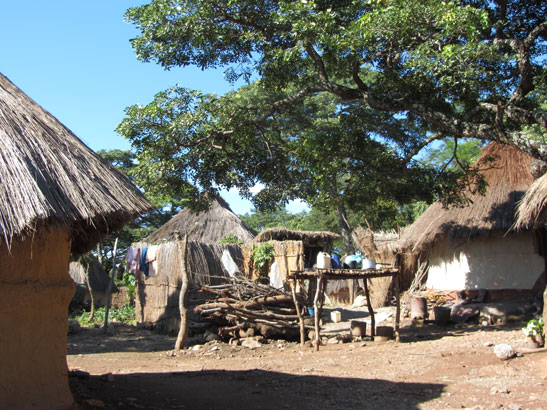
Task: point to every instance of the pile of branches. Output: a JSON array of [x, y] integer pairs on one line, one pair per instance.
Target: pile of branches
[[244, 308]]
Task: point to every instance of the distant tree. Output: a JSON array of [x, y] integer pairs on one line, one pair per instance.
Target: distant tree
[[142, 226]]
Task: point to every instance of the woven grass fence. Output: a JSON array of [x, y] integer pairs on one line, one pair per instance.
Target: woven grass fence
[[157, 298]]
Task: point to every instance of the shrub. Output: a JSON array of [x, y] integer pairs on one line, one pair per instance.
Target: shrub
[[262, 254]]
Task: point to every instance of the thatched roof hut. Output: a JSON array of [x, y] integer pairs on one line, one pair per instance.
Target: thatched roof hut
[[55, 179], [98, 280], [532, 209], [318, 238], [57, 196], [157, 297], [209, 226], [473, 247]]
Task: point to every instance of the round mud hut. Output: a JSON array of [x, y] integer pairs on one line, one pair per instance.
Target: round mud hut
[[58, 197], [474, 249]]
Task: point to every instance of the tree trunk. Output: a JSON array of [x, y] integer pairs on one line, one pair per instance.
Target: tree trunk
[[99, 254], [91, 296], [345, 229], [184, 323], [109, 288]]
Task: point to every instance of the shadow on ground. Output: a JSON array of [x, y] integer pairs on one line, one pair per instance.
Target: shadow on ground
[[253, 389]]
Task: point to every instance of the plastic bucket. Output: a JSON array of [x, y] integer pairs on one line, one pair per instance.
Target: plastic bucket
[[358, 328], [442, 314]]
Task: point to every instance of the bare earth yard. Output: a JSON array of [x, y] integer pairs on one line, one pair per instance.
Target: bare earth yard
[[434, 367]]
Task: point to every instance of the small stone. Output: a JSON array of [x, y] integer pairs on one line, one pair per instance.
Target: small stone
[[196, 347], [504, 351], [488, 344], [95, 403], [251, 342], [211, 337], [333, 341]]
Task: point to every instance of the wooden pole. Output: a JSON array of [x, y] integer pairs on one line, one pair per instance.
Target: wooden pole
[[109, 288], [370, 311], [89, 289], [317, 340], [184, 323], [299, 313], [397, 307]]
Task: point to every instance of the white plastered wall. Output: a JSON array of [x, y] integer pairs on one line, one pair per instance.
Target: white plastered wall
[[493, 262]]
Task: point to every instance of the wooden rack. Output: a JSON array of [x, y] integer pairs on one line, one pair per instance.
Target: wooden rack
[[322, 276]]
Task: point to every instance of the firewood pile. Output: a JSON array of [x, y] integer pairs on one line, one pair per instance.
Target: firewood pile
[[243, 308]]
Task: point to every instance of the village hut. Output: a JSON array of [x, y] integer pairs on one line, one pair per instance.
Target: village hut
[[294, 250], [532, 209], [208, 226], [88, 273], [157, 295], [208, 262], [57, 197], [474, 249], [382, 246]]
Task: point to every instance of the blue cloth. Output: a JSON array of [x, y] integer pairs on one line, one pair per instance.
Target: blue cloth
[[143, 264], [335, 261], [352, 261]]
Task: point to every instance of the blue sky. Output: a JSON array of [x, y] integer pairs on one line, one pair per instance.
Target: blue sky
[[75, 60]]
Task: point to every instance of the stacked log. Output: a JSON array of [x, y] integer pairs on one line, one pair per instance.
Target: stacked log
[[243, 308]]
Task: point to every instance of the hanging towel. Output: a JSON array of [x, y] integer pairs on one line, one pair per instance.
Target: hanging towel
[[143, 265], [132, 258], [152, 260]]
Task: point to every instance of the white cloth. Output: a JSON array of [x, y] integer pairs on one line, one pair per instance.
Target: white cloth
[[132, 258], [228, 262], [151, 258], [276, 281]]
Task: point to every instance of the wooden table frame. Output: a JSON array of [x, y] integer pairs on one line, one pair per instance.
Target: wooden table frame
[[322, 276]]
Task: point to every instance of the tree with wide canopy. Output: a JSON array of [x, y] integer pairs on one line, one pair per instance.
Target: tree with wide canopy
[[342, 96]]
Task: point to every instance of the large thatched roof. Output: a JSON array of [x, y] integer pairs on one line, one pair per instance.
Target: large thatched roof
[[284, 234], [50, 177], [209, 226], [508, 178], [532, 209]]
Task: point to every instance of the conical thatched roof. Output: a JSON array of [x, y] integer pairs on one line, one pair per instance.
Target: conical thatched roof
[[283, 234], [209, 226], [50, 177], [508, 178], [532, 208]]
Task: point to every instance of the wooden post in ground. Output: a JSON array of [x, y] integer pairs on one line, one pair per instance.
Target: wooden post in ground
[[184, 323], [370, 311], [109, 288], [316, 313], [89, 289], [299, 313], [397, 307]]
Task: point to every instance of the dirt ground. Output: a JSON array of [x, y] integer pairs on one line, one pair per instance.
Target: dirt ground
[[433, 367]]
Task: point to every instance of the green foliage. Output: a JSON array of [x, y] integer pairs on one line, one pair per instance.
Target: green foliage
[[263, 254], [130, 282], [345, 95], [166, 208], [230, 239], [534, 327], [125, 314]]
